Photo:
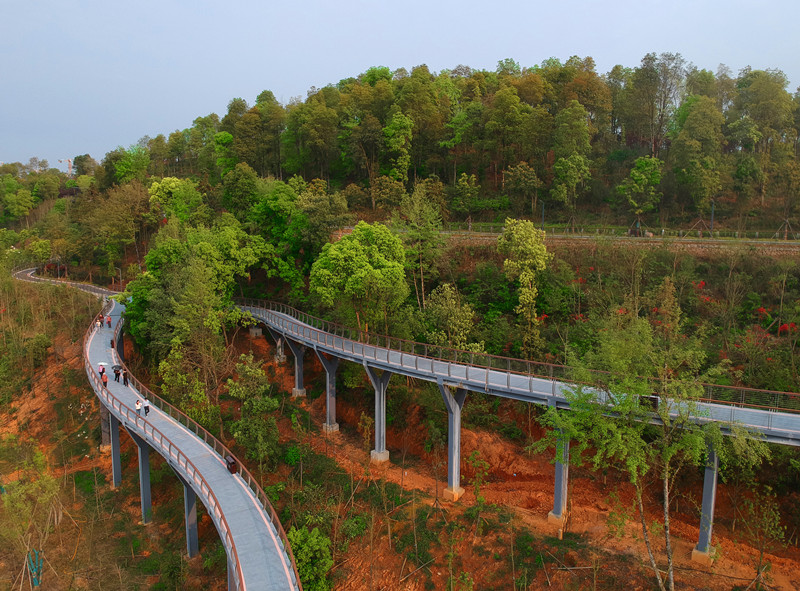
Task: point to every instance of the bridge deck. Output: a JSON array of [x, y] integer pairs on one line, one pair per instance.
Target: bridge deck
[[776, 426], [259, 557]]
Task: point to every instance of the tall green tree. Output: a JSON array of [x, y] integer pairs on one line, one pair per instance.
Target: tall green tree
[[526, 257], [613, 422], [365, 271], [419, 224]]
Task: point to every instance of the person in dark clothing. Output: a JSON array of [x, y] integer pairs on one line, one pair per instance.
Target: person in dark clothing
[[124, 377], [116, 375]]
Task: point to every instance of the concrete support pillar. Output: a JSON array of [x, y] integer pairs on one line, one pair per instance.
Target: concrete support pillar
[[298, 351], [380, 383], [454, 401], [116, 463], [144, 477], [280, 355], [331, 365], [702, 552], [190, 517], [231, 578], [105, 428], [559, 511]]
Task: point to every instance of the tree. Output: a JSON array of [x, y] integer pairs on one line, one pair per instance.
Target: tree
[[240, 189], [526, 256], [651, 97], [365, 272], [571, 134], [255, 431], [419, 224], [639, 189], [696, 149], [612, 422], [132, 165], [312, 554], [521, 180], [397, 134], [451, 320], [571, 173], [223, 148], [173, 197], [84, 164]]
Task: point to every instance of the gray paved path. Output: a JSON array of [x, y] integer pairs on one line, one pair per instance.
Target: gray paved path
[[257, 547], [777, 427]]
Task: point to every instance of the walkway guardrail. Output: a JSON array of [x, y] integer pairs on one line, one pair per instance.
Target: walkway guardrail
[[321, 330], [217, 446], [220, 449], [158, 439]]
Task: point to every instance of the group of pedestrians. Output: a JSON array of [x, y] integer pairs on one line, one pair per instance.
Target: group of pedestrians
[[119, 371], [101, 320], [140, 406]]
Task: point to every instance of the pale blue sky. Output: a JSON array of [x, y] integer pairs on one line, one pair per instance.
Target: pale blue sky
[[89, 75]]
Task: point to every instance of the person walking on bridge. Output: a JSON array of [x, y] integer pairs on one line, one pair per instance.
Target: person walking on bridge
[[138, 407], [108, 319], [124, 377], [146, 407], [105, 380]]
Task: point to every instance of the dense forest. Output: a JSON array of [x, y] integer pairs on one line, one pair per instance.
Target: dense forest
[[338, 205]]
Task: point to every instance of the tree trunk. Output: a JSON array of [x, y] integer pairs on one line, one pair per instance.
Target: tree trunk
[[646, 535]]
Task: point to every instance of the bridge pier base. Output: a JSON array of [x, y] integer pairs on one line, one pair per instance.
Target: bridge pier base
[[144, 477], [703, 552], [379, 383], [454, 401], [298, 351], [559, 512], [116, 463], [189, 517], [330, 365]]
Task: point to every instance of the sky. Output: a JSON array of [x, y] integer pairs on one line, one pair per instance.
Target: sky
[[89, 75]]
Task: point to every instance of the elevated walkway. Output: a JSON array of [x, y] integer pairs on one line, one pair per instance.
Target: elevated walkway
[[258, 554]]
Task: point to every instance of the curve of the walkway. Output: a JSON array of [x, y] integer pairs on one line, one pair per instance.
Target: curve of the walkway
[[257, 549], [776, 415]]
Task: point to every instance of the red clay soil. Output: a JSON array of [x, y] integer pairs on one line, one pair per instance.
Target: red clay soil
[[518, 481], [525, 484]]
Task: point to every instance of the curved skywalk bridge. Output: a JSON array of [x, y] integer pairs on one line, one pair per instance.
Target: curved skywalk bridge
[[775, 415], [259, 557]]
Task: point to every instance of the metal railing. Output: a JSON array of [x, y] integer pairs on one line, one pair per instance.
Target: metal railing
[[157, 439], [306, 326], [164, 443], [220, 449]]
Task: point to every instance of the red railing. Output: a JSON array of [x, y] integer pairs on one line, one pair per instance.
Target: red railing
[[220, 449], [169, 448], [159, 440]]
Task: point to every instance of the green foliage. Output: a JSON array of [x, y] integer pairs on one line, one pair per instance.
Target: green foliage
[[364, 270], [255, 431], [639, 189], [312, 554], [132, 165], [173, 197], [451, 321], [526, 256]]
